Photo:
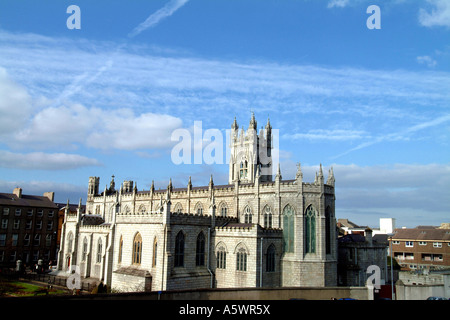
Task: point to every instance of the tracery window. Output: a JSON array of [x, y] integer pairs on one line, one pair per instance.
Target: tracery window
[[328, 230], [241, 260], [243, 169], [248, 215], [288, 229], [267, 217], [99, 250], [179, 250], [200, 250], [221, 258], [310, 230], [85, 248], [137, 249]]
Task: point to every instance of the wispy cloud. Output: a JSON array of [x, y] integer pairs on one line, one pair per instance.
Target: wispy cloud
[[427, 60], [438, 16], [398, 135], [44, 161], [159, 15]]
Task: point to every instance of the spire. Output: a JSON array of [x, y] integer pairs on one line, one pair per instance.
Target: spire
[[67, 211], [299, 174], [189, 183], [253, 124], [268, 126], [152, 188], [330, 180], [211, 183], [278, 176], [234, 126]]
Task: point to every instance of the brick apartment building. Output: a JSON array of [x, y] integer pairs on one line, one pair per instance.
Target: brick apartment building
[[28, 228], [423, 247]]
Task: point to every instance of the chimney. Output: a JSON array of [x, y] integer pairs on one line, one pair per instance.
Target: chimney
[[18, 192], [49, 195], [368, 235]]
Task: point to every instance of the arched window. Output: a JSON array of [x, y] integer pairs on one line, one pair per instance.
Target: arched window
[[179, 250], [241, 260], [85, 249], [223, 209], [119, 260], [221, 258], [155, 251], [178, 208], [243, 169], [267, 216], [248, 215], [70, 242], [270, 259], [328, 230], [99, 250], [200, 250], [288, 229], [199, 208], [310, 230], [137, 249], [141, 209]]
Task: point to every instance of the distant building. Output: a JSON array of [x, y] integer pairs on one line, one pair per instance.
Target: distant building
[[423, 247], [28, 228], [356, 252]]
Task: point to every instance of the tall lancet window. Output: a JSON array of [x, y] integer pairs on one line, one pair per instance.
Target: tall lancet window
[[288, 229], [200, 250], [243, 169], [310, 230], [137, 249], [179, 250]]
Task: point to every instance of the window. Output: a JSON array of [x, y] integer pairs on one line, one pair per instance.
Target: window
[[310, 230], [155, 251], [5, 211], [178, 208], [69, 242], [137, 249], [119, 260], [50, 225], [99, 250], [4, 223], [200, 250], [199, 208], [267, 217], [422, 243], [247, 215], [288, 229], [38, 224], [328, 230], [15, 238], [179, 250], [37, 240], [30, 212], [16, 224], [18, 212], [243, 170], [29, 224], [48, 240], [221, 258], [40, 212], [241, 260], [51, 213], [270, 259], [223, 209], [85, 249], [395, 242], [26, 240], [409, 244], [437, 244], [2, 240]]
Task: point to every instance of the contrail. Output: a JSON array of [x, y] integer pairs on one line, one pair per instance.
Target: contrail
[[156, 17], [398, 135]]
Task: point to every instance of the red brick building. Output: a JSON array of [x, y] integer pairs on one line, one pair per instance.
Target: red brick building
[[28, 228], [423, 247]]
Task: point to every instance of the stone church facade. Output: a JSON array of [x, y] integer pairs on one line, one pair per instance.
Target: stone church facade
[[256, 231]]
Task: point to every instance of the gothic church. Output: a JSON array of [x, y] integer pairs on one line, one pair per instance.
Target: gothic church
[[255, 231]]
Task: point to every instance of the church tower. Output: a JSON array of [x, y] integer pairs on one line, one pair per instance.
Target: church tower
[[250, 153]]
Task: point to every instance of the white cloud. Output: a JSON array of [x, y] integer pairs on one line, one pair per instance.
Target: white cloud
[[338, 3], [427, 60], [15, 104], [44, 161], [438, 16], [77, 125]]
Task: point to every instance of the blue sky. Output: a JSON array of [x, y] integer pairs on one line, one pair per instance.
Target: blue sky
[[105, 99]]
